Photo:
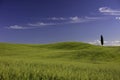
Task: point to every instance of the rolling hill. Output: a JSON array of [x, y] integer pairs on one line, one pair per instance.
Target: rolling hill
[[66, 50], [79, 61]]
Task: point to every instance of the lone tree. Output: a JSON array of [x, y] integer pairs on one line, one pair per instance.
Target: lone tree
[[102, 40]]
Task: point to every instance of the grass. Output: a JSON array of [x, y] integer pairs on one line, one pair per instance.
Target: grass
[[59, 61]]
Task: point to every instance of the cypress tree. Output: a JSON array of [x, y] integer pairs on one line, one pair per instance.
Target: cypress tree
[[102, 40]]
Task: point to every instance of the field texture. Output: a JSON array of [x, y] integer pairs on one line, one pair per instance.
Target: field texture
[[59, 61]]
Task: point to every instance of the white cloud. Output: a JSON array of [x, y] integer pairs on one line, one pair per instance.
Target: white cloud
[[76, 19], [109, 11], [117, 18], [42, 24], [16, 27], [56, 21], [106, 43], [96, 42], [115, 43], [62, 20], [94, 18], [69, 20], [57, 18]]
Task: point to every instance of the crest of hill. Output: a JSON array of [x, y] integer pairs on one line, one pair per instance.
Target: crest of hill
[[69, 45], [59, 45]]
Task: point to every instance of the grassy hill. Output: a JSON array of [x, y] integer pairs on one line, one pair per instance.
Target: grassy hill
[[79, 61]]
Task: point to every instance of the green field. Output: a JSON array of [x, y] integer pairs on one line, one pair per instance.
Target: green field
[[59, 61]]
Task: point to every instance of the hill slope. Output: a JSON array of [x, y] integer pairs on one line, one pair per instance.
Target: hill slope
[[64, 50], [79, 61]]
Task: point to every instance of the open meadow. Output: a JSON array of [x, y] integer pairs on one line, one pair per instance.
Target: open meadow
[[59, 61]]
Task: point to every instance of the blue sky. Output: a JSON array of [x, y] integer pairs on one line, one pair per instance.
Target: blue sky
[[48, 21]]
